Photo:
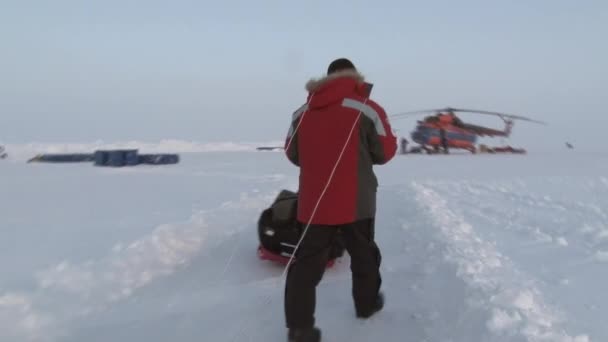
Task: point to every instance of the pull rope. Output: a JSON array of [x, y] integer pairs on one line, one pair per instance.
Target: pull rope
[[243, 331], [331, 176]]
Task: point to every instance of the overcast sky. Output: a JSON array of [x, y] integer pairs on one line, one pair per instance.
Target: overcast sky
[[235, 70]]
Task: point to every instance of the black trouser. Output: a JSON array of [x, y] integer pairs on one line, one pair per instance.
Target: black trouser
[[312, 256]]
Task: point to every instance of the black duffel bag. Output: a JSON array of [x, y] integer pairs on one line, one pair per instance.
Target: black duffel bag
[[279, 231]]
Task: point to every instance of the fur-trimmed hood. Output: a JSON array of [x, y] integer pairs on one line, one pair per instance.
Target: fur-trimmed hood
[[314, 84]]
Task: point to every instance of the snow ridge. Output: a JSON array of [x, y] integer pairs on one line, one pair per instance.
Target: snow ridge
[[516, 306], [83, 289]]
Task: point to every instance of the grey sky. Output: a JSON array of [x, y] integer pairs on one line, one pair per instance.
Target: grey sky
[[148, 70]]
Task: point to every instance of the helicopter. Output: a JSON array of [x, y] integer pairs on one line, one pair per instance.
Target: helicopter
[[443, 129]]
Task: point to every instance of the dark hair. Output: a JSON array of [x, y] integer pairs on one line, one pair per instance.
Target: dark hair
[[339, 65]]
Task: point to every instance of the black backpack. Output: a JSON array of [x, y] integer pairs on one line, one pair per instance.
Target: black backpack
[[279, 231]]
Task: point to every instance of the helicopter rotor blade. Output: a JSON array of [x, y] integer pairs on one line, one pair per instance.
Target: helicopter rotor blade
[[449, 109], [418, 112], [502, 115]]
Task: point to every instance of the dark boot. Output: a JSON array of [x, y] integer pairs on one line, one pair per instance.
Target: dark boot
[[308, 335], [377, 307]]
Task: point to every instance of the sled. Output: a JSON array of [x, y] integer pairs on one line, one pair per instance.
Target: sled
[[265, 254], [279, 231]]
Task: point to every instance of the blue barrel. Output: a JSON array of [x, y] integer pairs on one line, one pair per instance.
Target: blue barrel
[[116, 158], [100, 158], [131, 157]]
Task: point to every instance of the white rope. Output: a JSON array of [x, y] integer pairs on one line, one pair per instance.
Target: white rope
[[227, 265], [331, 175], [229, 262], [268, 299]]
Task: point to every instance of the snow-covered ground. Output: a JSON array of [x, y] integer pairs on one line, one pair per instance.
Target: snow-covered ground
[[475, 248]]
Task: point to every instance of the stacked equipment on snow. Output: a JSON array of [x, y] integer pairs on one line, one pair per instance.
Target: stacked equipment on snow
[[119, 158], [112, 158], [116, 158], [158, 159], [279, 231], [269, 148]]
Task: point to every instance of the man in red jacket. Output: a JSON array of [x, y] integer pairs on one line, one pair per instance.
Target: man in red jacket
[[335, 139]]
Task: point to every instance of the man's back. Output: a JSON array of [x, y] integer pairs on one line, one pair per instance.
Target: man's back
[[336, 138], [339, 121]]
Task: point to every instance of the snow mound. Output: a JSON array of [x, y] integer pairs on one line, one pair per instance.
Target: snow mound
[[69, 292], [517, 306], [474, 248]]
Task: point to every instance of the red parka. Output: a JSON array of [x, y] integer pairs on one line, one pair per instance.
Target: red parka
[[338, 118]]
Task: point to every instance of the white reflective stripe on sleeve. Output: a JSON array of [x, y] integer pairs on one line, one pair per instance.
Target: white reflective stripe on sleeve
[[295, 116], [367, 111]]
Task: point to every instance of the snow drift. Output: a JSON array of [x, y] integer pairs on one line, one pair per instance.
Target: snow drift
[[475, 248]]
